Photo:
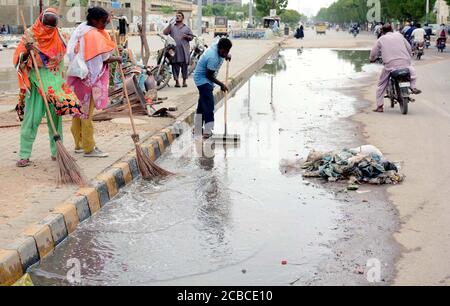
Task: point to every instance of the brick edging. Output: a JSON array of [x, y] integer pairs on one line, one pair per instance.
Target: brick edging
[[41, 238]]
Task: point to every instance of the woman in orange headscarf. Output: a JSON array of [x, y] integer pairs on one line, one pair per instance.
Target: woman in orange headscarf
[[50, 47], [90, 51]]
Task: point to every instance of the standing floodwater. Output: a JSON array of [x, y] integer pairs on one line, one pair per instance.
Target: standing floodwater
[[232, 217]]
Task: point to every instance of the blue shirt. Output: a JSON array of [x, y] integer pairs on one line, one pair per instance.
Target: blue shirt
[[210, 60]]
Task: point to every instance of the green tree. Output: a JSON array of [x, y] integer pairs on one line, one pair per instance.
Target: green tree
[[207, 10], [233, 12], [263, 7], [166, 10], [343, 11], [292, 17]]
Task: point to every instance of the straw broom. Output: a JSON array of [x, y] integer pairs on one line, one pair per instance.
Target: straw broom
[[68, 170], [147, 167]]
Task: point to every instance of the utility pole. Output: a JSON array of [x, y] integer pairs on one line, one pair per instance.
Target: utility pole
[[199, 17], [31, 11], [250, 12], [427, 11], [145, 49]]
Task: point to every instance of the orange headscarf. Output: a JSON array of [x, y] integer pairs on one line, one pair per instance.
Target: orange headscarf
[[47, 41], [97, 42]]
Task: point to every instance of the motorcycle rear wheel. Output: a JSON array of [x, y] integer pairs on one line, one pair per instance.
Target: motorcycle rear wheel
[[403, 102], [164, 76], [192, 66], [390, 94]]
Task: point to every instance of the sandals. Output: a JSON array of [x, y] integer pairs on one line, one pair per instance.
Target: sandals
[[23, 163], [416, 91], [379, 109], [96, 153]]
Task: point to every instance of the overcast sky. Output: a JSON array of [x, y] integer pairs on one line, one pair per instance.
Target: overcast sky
[[306, 7]]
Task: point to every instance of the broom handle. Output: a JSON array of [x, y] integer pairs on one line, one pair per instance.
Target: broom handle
[[41, 85], [225, 111], [125, 89]]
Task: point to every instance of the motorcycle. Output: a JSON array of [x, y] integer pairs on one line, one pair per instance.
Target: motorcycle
[[355, 31], [418, 50], [197, 50], [427, 41], [162, 72], [398, 90], [441, 44]]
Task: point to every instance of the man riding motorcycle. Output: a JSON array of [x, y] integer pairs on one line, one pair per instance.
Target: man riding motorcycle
[[407, 32], [428, 29], [418, 36], [428, 34], [355, 28], [406, 28], [442, 35], [396, 54]]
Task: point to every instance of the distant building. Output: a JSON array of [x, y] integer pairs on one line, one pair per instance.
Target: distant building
[[442, 12], [10, 12], [155, 6], [223, 2]]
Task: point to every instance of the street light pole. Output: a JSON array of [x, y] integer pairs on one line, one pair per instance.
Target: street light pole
[[199, 17]]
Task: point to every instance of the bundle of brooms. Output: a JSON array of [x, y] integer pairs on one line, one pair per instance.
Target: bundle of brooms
[[68, 170], [147, 167]]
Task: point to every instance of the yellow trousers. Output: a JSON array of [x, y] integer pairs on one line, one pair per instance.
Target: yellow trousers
[[83, 131]]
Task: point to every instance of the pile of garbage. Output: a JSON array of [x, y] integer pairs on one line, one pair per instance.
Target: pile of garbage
[[364, 164]]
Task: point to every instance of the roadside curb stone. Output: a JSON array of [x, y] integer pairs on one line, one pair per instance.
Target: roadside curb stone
[[10, 267], [27, 250], [57, 226]]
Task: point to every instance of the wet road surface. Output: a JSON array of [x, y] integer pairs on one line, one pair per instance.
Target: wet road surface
[[232, 215]]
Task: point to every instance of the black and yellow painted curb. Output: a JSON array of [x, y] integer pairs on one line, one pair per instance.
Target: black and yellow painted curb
[[41, 238]]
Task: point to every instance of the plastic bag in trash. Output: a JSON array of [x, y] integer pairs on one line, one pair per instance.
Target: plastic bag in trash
[[367, 150]]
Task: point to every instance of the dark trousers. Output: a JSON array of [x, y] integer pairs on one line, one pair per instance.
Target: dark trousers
[[176, 67], [205, 109]]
